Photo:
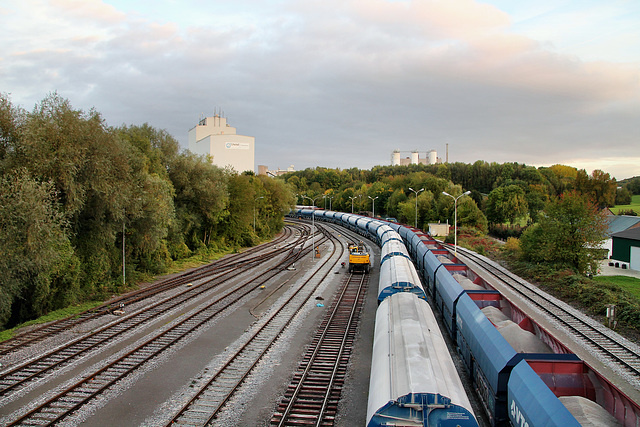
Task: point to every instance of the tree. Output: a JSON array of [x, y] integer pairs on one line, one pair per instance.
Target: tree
[[506, 204], [201, 198], [568, 234], [11, 121], [599, 187], [623, 196], [39, 270], [633, 185]]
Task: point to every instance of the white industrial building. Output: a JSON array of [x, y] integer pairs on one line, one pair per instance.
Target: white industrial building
[[431, 158], [264, 170], [213, 136]]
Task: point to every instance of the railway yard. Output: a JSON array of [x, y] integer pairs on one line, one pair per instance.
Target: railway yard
[[280, 334], [217, 344]]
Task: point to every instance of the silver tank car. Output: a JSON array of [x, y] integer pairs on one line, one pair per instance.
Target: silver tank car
[[413, 379]]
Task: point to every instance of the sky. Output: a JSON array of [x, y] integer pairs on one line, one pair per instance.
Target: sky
[[342, 83]]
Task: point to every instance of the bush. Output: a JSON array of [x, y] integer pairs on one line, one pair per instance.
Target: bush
[[477, 242], [630, 212], [504, 231], [512, 246]]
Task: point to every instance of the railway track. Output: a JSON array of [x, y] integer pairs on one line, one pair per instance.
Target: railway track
[[234, 261], [63, 403], [34, 369], [599, 339], [212, 396], [313, 395]]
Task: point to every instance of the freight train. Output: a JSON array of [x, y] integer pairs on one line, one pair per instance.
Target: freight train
[[516, 386]]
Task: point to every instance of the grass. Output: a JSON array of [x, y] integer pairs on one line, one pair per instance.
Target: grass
[[54, 315], [635, 205], [629, 284]]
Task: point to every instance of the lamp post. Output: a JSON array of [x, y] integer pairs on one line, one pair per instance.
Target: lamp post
[[124, 274], [352, 197], [313, 224], [254, 212], [455, 219], [373, 204], [325, 197], [422, 189]]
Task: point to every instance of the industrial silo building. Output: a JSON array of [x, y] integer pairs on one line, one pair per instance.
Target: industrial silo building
[[213, 136]]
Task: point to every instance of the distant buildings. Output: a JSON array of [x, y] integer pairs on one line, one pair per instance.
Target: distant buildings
[[264, 170], [431, 158], [214, 137]]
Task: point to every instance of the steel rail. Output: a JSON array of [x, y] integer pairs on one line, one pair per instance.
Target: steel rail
[[49, 329], [181, 417], [321, 346], [12, 378], [53, 409]]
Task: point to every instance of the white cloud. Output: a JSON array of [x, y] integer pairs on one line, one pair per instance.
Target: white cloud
[[357, 78]]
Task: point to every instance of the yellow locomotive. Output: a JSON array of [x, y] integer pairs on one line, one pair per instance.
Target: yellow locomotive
[[358, 258]]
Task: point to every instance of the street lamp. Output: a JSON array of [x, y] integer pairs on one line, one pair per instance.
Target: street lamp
[[455, 219], [254, 212], [313, 224], [373, 204], [325, 197], [352, 197], [422, 189]]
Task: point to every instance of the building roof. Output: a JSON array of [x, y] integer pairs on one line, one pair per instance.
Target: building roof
[[618, 223], [631, 234]]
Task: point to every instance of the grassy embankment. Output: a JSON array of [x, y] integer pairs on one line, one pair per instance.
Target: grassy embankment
[[635, 205]]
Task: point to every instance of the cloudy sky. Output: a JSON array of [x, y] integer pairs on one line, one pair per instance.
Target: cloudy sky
[[342, 83]]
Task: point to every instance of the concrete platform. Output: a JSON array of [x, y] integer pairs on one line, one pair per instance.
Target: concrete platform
[[607, 270]]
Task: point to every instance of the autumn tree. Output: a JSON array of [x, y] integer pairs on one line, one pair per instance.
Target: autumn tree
[[599, 187], [568, 234]]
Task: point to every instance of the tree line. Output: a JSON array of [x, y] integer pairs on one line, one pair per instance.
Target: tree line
[[505, 193], [75, 191], [558, 210]]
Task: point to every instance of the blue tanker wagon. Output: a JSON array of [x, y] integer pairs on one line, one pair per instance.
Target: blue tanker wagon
[[408, 386], [413, 379]]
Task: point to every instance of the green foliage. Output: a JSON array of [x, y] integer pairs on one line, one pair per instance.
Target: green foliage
[[75, 193], [633, 208], [506, 204], [600, 188], [623, 196], [633, 185], [567, 235], [503, 231], [629, 284], [629, 212], [36, 258], [68, 311], [477, 241]]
